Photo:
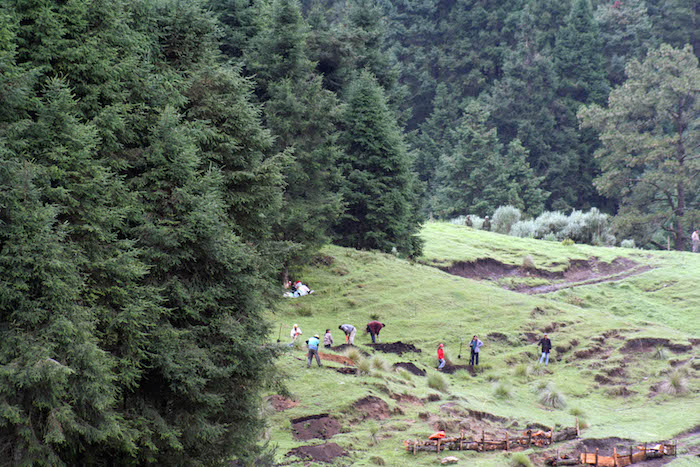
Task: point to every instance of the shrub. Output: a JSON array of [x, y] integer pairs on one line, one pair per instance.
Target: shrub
[[551, 222], [528, 262], [477, 222], [523, 229], [364, 366], [628, 243], [378, 363], [437, 381], [551, 397], [520, 459], [582, 424], [550, 237], [504, 218], [567, 242], [501, 390], [675, 383]]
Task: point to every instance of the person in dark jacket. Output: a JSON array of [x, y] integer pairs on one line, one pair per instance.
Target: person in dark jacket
[[313, 350], [373, 328], [475, 345], [546, 345]]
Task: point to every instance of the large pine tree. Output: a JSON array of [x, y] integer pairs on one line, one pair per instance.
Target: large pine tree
[[378, 186]]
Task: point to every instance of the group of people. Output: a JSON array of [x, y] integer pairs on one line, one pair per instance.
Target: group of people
[[373, 328], [296, 289], [475, 346]]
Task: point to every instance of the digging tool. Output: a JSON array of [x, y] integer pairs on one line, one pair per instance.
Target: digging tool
[[279, 335], [461, 341]]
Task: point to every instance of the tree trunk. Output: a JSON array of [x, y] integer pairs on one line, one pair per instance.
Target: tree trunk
[[680, 211]]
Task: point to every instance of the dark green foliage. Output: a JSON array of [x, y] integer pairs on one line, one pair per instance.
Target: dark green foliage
[[378, 187], [478, 176]]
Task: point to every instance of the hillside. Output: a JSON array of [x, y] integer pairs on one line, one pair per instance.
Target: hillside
[[623, 323]]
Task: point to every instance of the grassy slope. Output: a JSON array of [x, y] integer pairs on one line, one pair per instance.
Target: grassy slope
[[422, 305]]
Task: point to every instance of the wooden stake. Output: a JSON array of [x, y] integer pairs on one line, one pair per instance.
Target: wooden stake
[[615, 456], [630, 453], [483, 443], [438, 446], [414, 446], [645, 451], [596, 457], [577, 432], [507, 441], [461, 439]]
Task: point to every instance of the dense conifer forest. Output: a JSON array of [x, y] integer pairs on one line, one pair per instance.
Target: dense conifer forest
[[163, 163]]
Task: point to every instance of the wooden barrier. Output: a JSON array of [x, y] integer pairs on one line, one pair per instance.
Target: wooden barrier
[[616, 460], [529, 438]]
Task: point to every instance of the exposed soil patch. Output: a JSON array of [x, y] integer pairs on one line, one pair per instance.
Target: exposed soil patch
[[646, 344], [372, 407], [615, 372], [347, 370], [344, 347], [407, 398], [410, 367], [486, 416], [451, 369], [336, 358], [530, 337], [280, 403], [607, 444], [315, 426], [586, 353], [489, 268], [321, 453], [397, 347], [620, 391], [603, 379], [498, 337]]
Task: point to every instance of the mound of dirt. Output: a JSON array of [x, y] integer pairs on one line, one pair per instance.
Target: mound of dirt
[[320, 453], [281, 403], [529, 337], [603, 379], [343, 347], [336, 358], [347, 370], [586, 353], [646, 344], [407, 398], [410, 367], [372, 407], [397, 347], [451, 369], [607, 444], [315, 426], [498, 337]]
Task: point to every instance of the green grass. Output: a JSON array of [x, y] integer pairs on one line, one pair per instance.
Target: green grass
[[423, 306]]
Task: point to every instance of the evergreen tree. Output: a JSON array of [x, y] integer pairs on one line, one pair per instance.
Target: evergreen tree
[[477, 176], [649, 133], [378, 187]]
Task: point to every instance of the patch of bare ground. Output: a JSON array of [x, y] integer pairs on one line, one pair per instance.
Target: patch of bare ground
[[320, 453], [336, 358], [407, 399], [346, 370], [371, 407], [344, 347], [315, 426], [647, 344], [579, 272], [410, 367], [451, 369], [395, 347], [280, 403]]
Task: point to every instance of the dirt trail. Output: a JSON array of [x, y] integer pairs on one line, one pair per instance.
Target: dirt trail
[[579, 273]]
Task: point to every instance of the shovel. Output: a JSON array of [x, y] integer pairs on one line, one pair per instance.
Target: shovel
[[461, 341], [279, 335]]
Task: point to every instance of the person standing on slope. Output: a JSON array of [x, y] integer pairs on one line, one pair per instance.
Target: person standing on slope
[[695, 237], [474, 346], [350, 332], [327, 339], [313, 350], [296, 332], [546, 345], [373, 328], [441, 356]]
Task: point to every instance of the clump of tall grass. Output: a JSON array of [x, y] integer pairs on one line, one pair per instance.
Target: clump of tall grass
[[675, 383], [521, 370], [373, 429], [404, 374], [528, 262], [537, 370], [437, 381], [501, 390], [364, 366], [378, 363], [353, 354], [628, 243], [660, 353], [520, 459], [551, 397], [576, 412]]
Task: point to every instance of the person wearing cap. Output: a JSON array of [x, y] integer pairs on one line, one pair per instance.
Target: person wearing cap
[[546, 345], [475, 345], [350, 332], [313, 350], [300, 289], [296, 332], [327, 339], [373, 328], [441, 356]]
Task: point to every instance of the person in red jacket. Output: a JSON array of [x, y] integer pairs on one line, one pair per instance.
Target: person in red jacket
[[441, 356], [373, 328]]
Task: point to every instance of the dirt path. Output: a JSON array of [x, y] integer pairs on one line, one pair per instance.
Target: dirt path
[[542, 289]]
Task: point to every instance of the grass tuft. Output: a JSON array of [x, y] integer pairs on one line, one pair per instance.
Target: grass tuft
[[374, 317], [437, 381], [521, 370], [364, 366], [405, 374], [520, 459], [551, 397], [501, 390], [353, 354], [675, 383], [576, 412], [528, 262], [376, 460], [378, 363], [660, 353]]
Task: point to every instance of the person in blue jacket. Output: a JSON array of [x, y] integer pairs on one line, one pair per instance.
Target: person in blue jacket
[[313, 350]]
